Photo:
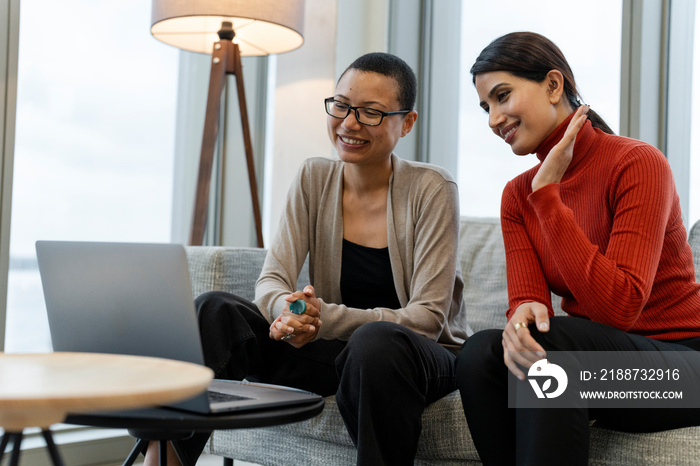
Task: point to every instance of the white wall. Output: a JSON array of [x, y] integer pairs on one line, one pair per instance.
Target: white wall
[[302, 79]]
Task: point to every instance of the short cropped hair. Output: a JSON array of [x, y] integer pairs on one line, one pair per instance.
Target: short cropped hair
[[392, 66]]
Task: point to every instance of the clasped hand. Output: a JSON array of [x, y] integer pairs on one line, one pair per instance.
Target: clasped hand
[[559, 158], [298, 329], [520, 349]]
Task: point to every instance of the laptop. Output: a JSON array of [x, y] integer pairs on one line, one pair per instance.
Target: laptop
[[136, 299]]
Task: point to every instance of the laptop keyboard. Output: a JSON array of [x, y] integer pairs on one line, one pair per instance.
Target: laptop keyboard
[[218, 397]]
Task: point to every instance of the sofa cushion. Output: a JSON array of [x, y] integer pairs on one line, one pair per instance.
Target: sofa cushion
[[225, 269], [303, 442], [231, 269], [482, 261], [674, 447], [694, 240]]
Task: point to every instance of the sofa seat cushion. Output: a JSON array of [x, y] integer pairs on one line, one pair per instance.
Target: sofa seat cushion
[[302, 443], [677, 447], [445, 441]]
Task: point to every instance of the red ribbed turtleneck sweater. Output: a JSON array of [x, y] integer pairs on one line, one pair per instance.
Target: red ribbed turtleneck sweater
[[608, 238]]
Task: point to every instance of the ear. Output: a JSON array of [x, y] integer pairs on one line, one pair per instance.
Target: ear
[[408, 121], [555, 86]]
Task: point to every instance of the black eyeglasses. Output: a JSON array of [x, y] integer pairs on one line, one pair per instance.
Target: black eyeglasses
[[366, 115]]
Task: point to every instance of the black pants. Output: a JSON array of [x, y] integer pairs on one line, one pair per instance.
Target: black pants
[[555, 436], [383, 377]]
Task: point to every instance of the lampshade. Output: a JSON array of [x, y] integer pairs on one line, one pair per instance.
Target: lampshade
[[262, 27]]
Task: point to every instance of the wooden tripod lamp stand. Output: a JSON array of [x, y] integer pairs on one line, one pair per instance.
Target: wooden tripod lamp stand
[[228, 29]]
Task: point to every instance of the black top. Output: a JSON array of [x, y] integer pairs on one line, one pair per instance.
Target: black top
[[366, 280]]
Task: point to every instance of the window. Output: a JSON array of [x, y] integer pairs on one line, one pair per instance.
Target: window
[[694, 215], [94, 140], [589, 34]]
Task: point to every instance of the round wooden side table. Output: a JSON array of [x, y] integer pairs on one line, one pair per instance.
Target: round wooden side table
[[38, 390]]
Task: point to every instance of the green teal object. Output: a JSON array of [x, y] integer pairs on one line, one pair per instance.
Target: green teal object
[[298, 306]]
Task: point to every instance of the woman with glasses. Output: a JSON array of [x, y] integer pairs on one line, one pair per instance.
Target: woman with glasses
[[597, 222], [382, 319]]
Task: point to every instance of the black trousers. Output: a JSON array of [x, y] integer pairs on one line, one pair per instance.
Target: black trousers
[[383, 377], [508, 436]]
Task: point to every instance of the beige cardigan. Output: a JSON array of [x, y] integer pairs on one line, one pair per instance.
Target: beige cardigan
[[423, 233]]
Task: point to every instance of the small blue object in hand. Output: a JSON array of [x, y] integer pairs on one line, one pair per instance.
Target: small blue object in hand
[[298, 306]]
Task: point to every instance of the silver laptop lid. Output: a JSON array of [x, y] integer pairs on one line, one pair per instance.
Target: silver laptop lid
[[125, 298]]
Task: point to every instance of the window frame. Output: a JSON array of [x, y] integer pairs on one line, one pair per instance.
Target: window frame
[[677, 130], [9, 59]]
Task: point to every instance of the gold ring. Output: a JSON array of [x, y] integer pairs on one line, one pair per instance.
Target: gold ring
[[520, 325]]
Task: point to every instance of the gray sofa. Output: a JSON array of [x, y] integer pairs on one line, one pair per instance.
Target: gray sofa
[[445, 438]]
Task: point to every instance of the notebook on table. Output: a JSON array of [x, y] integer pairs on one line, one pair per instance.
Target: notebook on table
[[136, 299]]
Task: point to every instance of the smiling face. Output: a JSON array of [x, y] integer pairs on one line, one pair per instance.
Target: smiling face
[[361, 144], [522, 112]]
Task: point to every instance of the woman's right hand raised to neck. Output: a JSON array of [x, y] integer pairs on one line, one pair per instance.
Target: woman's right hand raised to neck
[[559, 158]]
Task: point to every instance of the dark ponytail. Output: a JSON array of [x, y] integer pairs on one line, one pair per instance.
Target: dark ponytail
[[529, 55]]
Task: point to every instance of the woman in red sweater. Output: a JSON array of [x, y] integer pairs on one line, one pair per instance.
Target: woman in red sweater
[[597, 222]]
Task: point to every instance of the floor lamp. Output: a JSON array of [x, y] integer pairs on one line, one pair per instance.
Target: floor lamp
[[228, 29]]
